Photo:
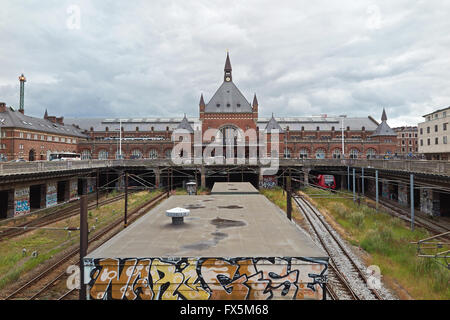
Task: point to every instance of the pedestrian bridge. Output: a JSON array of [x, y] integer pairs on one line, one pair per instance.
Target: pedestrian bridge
[[441, 168]]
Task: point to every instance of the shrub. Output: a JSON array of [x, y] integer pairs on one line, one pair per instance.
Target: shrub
[[357, 218], [379, 240], [341, 210]]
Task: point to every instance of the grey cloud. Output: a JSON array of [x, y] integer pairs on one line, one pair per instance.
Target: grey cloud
[[155, 58]]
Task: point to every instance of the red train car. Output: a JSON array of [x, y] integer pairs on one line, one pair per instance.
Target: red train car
[[326, 181]]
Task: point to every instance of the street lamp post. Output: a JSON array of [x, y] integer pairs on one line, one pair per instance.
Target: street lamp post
[[342, 135]]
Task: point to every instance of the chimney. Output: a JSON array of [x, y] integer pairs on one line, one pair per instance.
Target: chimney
[[52, 119], [2, 107], [60, 120], [22, 80]]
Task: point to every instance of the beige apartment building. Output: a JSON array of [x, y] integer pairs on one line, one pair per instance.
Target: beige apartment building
[[407, 141], [434, 134]]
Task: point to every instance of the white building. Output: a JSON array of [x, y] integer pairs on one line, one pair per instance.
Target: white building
[[433, 135]]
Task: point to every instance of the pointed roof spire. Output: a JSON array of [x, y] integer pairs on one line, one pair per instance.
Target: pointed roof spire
[[383, 128], [227, 63], [273, 125], [255, 100], [383, 116], [45, 114], [184, 124], [227, 74], [202, 102]]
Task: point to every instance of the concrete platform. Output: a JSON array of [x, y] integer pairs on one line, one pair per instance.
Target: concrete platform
[[229, 247], [234, 188]]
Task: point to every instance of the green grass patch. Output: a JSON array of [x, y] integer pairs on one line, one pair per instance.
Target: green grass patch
[[388, 241], [14, 263]]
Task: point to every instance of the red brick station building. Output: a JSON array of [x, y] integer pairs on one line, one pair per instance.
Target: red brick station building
[[32, 138]]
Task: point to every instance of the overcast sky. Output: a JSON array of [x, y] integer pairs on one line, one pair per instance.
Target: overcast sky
[[155, 58]]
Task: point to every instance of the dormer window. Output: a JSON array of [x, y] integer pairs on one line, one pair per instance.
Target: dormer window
[[218, 105], [238, 105], [228, 105]]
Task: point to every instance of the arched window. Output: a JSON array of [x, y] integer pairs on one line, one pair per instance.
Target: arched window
[[371, 153], [85, 155], [103, 155], [153, 154], [336, 153], [303, 154], [136, 154], [287, 153], [354, 153], [320, 153]]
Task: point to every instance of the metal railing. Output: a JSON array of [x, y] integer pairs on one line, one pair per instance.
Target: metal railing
[[414, 166]]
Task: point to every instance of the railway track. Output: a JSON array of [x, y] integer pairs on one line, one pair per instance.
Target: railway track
[[51, 218], [420, 221], [346, 279], [43, 283]]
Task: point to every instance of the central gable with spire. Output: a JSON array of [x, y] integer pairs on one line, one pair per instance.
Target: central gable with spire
[[228, 98], [228, 106]]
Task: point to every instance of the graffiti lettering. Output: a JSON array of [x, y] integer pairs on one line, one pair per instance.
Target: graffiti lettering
[[207, 278]]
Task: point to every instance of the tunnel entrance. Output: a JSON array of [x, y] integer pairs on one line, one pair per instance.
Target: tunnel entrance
[[444, 204], [4, 197], [236, 174], [63, 191], [37, 196], [175, 176]]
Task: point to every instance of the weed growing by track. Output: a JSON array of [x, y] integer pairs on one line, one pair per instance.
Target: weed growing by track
[[388, 241]]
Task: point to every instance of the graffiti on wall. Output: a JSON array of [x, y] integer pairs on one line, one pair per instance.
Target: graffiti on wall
[[90, 185], [269, 182], [403, 194], [205, 278], [73, 189], [21, 201], [51, 197], [384, 189]]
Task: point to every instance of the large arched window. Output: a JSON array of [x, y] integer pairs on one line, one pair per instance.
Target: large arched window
[[320, 153], [303, 154], [153, 154], [103, 154], [230, 135]]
